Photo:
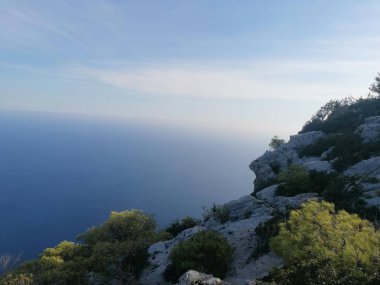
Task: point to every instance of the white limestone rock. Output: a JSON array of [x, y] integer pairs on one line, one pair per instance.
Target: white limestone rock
[[315, 163], [255, 269], [159, 257], [283, 204], [193, 277], [366, 168], [267, 194], [370, 130], [301, 140]]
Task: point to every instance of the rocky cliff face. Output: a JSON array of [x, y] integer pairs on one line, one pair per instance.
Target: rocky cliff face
[[246, 213], [271, 163]]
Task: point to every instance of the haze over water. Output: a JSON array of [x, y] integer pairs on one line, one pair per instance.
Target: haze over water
[[60, 174]]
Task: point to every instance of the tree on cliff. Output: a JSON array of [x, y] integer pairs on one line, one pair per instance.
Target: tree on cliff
[[276, 142], [322, 246], [375, 87]]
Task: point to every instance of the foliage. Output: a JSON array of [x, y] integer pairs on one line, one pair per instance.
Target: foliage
[[17, 279], [295, 180], [119, 246], [64, 264], [116, 250], [276, 142], [220, 212], [343, 115], [206, 251], [375, 87], [180, 225], [322, 246]]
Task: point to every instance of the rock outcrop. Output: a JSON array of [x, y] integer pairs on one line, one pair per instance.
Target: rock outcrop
[[248, 212], [369, 168], [193, 277], [271, 163], [370, 130], [245, 214]]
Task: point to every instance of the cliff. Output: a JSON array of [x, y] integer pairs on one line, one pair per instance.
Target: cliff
[[248, 214]]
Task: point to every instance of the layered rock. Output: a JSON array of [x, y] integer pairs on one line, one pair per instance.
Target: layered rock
[[369, 168]]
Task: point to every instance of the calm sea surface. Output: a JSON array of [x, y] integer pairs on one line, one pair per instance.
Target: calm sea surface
[[60, 175]]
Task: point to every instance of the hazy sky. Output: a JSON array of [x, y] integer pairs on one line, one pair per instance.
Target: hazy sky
[[258, 67]]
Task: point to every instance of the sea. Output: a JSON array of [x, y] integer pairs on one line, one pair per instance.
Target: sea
[[62, 174]]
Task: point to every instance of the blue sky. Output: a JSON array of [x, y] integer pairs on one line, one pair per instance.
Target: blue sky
[[257, 67]]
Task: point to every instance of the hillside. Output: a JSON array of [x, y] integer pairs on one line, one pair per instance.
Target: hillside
[[266, 236]]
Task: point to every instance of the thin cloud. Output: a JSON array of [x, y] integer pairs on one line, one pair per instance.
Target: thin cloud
[[287, 80]]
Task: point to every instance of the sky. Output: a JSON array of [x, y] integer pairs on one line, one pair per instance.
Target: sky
[[245, 66]]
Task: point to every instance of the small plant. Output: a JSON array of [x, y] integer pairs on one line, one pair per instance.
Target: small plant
[[206, 251], [221, 213], [276, 142], [180, 225]]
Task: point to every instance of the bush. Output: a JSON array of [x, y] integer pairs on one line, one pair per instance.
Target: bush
[[64, 264], [206, 251], [322, 246], [220, 212], [180, 225], [295, 180], [116, 250], [119, 246]]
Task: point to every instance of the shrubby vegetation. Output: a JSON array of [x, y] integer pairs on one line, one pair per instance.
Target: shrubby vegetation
[[180, 225], [345, 149], [322, 246], [345, 192], [219, 212], [116, 250], [296, 180], [206, 251], [343, 115]]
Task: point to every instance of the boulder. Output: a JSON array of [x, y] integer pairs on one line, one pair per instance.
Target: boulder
[[366, 168], [370, 130], [193, 277], [284, 204], [315, 163], [268, 193], [255, 269]]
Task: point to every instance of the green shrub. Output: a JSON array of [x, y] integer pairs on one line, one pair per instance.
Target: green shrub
[[322, 246], [206, 251], [180, 225], [221, 213], [119, 246], [17, 279], [295, 180]]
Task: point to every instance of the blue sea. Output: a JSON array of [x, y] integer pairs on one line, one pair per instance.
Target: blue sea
[[61, 174]]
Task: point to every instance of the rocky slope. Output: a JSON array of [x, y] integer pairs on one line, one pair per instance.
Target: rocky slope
[[246, 213]]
